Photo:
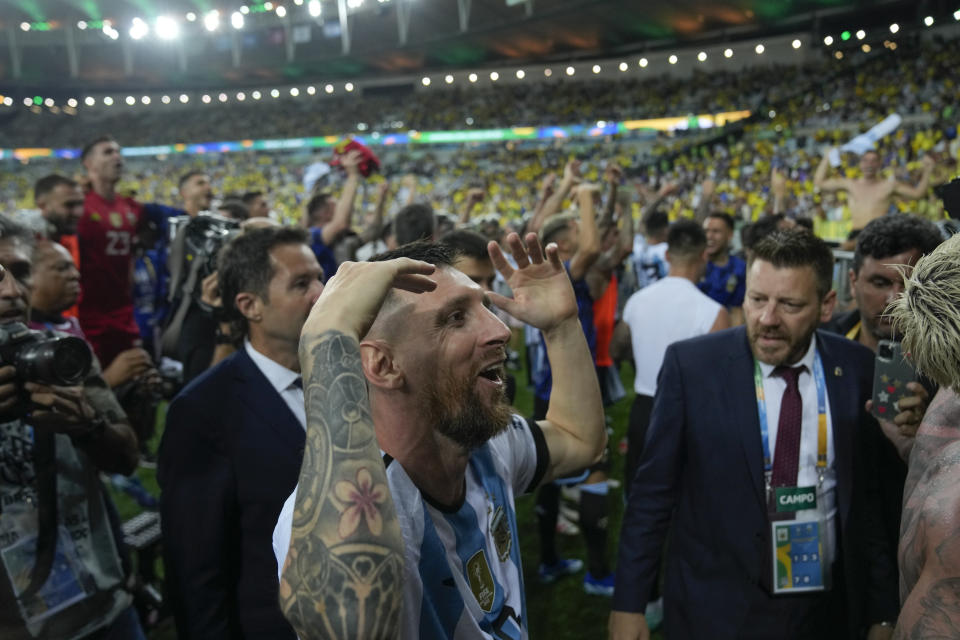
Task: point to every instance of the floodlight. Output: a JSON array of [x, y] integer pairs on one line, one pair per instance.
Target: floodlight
[[131, 100], [236, 20], [928, 21], [861, 34], [165, 99], [728, 53], [759, 49], [89, 101], [281, 11], [139, 29], [348, 87], [797, 44], [571, 71], [314, 8], [642, 62], [596, 68], [184, 98], [191, 17], [548, 72], [211, 21], [72, 102], [894, 28], [702, 56], [472, 77], [205, 99], [108, 101], [311, 90], [48, 102], [222, 97], [623, 66], [241, 96], [448, 79], [672, 59], [425, 81], [25, 26], [294, 92], [82, 25], [494, 76], [828, 40], [275, 93], [255, 95], [328, 88], [145, 99], [167, 28]]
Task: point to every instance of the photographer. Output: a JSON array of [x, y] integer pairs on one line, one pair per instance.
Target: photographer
[[55, 536]]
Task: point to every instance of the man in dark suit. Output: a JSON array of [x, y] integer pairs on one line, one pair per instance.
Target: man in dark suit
[[233, 446], [707, 466]]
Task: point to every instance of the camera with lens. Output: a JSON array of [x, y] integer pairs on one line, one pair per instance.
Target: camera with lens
[[195, 244], [44, 358]]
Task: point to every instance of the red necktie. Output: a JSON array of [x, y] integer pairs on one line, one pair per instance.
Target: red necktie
[[786, 458]]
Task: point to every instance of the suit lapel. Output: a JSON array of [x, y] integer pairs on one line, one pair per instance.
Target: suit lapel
[[843, 421], [743, 400], [257, 393]]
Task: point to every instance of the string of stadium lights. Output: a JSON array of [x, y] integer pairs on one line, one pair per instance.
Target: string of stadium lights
[[166, 27], [72, 104]]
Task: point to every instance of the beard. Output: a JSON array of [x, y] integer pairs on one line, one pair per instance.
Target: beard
[[458, 411], [796, 346]]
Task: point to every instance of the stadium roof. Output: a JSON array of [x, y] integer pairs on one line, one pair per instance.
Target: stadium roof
[[141, 44]]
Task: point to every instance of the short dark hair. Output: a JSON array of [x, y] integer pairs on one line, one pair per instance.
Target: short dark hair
[[250, 196], [467, 244], [235, 209], [438, 255], [554, 227], [726, 217], [87, 148], [244, 265], [188, 175], [414, 222], [48, 183], [656, 221], [797, 248], [892, 235], [686, 239], [316, 203], [757, 231]]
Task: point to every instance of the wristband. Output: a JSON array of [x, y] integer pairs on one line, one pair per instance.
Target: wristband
[[222, 338]]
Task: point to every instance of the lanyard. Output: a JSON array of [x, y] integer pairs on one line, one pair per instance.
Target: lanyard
[[821, 419]]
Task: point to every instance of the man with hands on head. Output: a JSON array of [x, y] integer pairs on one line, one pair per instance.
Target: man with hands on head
[[55, 534], [403, 523]]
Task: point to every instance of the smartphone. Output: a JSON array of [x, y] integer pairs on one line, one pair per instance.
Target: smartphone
[[891, 373]]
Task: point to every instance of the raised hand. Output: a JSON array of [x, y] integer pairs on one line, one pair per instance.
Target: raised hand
[[352, 298], [542, 293]]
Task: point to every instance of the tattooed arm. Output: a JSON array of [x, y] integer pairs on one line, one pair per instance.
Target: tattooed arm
[[343, 574], [930, 529]]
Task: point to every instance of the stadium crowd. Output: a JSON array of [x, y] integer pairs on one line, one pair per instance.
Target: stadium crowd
[[341, 455]]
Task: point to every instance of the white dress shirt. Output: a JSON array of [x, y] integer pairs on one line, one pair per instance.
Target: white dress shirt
[[807, 474], [283, 380]]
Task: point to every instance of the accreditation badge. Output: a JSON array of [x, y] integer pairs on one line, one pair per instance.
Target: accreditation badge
[[798, 559]]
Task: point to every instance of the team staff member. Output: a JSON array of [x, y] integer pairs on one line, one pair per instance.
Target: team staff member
[[233, 444], [733, 458]]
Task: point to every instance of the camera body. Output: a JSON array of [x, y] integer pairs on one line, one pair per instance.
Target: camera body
[[199, 238], [44, 358]]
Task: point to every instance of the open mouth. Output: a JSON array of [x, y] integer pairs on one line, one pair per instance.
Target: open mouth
[[494, 373]]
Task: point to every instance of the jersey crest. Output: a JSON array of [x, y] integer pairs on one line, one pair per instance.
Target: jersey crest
[[502, 538]]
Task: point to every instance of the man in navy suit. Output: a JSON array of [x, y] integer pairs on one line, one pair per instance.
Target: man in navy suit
[[732, 493], [233, 446]]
